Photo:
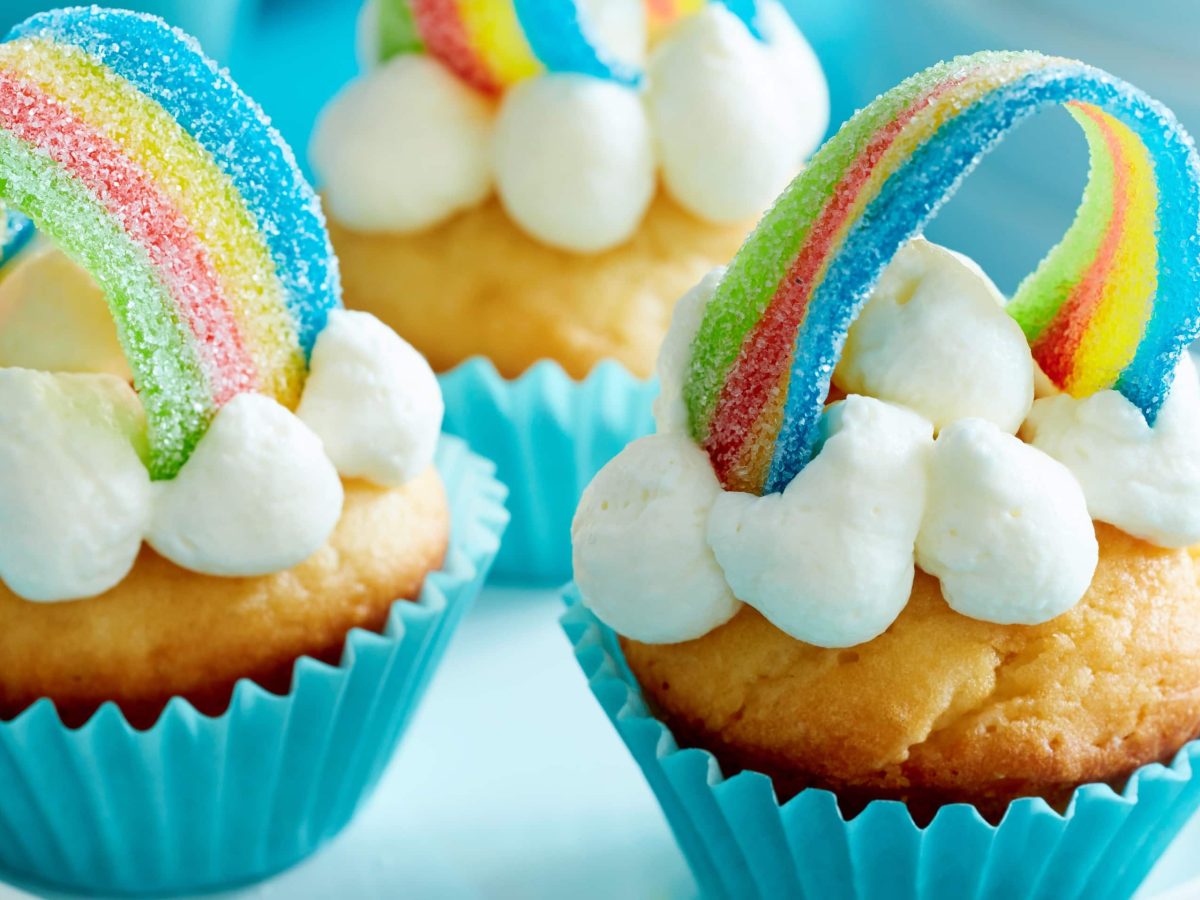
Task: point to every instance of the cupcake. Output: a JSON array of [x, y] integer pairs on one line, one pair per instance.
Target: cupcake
[[223, 585], [520, 186], [912, 566]]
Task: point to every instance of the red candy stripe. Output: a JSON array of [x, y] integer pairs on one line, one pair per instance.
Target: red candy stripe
[[150, 220], [1056, 348], [445, 36], [766, 354]]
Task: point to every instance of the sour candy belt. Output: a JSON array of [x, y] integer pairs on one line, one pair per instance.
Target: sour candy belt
[[145, 163], [493, 44], [1112, 305]]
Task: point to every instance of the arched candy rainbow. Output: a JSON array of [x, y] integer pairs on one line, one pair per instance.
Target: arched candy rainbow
[[493, 44], [145, 163], [1113, 305]]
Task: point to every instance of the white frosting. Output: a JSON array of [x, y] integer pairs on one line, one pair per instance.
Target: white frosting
[[935, 337], [372, 399], [726, 134], [619, 26], [801, 78], [1006, 530], [640, 555], [830, 560], [733, 117], [74, 493], [674, 357], [257, 495], [404, 147], [367, 36], [1144, 480], [575, 160]]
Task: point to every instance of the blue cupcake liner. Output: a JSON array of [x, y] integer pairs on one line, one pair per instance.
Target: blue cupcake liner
[[740, 842], [548, 435], [199, 802]]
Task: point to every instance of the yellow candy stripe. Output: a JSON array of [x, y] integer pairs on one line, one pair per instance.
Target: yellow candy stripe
[[1112, 336], [186, 173], [495, 32]]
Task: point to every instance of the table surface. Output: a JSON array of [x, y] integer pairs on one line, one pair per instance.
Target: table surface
[[511, 783]]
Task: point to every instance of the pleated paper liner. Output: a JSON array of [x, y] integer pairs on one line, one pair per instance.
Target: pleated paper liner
[[200, 803], [548, 435], [741, 842]]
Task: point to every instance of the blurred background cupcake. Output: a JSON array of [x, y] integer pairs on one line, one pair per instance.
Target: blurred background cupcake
[[509, 186], [228, 523]]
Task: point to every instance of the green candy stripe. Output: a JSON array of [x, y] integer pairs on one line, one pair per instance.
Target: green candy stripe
[[160, 351], [1044, 291], [398, 32], [760, 265]]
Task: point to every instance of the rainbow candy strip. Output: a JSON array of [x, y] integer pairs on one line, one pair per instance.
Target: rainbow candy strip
[[1113, 305], [145, 163], [493, 44]]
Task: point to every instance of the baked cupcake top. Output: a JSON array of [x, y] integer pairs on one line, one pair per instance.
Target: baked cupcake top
[[977, 438], [145, 163], [561, 110]]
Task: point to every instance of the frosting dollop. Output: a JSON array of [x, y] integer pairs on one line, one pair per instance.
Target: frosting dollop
[[404, 147], [1144, 480], [257, 495], [74, 491], [1006, 528], [830, 559], [935, 337], [674, 356], [723, 118], [662, 590], [800, 75], [373, 400], [574, 160]]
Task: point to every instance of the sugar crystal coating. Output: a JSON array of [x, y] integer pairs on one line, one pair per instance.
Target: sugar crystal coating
[[143, 160], [1113, 305]]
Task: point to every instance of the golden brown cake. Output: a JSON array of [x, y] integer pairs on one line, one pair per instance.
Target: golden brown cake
[[945, 708], [478, 285], [164, 631]]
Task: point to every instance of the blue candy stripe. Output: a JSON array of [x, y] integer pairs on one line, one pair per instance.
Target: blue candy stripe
[[557, 32], [232, 127]]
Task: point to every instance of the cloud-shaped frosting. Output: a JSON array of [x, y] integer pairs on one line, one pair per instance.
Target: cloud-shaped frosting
[[830, 559], [574, 158], [718, 100], [1145, 481], [404, 147], [639, 548], [1006, 528], [935, 337], [373, 400], [259, 494], [74, 490]]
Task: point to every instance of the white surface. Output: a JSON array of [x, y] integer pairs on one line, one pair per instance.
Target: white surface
[[511, 784]]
